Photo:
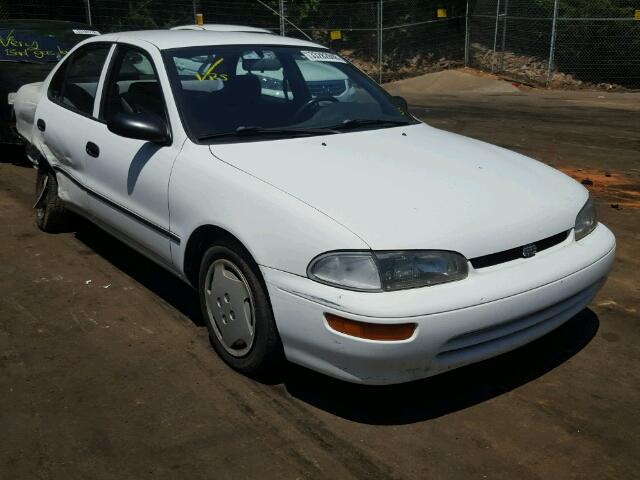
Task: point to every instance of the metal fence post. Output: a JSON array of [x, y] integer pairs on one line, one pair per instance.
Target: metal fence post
[[504, 32], [466, 37], [380, 12], [552, 48], [195, 11], [495, 38], [282, 24], [87, 9]]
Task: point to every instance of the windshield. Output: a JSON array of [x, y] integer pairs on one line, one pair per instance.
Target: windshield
[[236, 91], [38, 46]]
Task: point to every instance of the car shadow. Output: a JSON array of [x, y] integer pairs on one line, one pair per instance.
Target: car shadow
[[142, 156], [446, 393], [152, 276], [378, 405]]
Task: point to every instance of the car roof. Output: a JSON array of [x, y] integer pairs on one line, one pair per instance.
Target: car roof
[[166, 39], [219, 27]]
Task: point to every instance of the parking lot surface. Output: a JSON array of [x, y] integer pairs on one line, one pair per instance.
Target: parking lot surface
[[106, 369]]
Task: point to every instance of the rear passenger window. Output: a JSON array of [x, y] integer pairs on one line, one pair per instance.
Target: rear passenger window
[[132, 86], [75, 83]]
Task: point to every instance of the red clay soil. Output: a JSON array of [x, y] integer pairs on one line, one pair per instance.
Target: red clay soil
[[616, 188]]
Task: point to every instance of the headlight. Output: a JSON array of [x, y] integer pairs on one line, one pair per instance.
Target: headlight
[[352, 270], [586, 221], [400, 270], [387, 271]]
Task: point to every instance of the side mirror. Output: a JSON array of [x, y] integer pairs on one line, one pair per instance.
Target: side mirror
[[141, 126], [400, 103]]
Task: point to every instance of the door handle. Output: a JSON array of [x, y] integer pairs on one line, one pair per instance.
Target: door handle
[[93, 150], [42, 126]]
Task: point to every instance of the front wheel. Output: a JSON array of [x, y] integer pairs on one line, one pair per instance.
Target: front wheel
[[237, 312]]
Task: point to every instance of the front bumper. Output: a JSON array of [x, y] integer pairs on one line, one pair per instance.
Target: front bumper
[[491, 312]]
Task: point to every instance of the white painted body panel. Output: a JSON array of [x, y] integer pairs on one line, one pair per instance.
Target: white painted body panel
[[25, 104], [165, 39], [506, 306], [429, 189], [62, 149], [279, 230], [288, 201], [133, 174], [218, 27]]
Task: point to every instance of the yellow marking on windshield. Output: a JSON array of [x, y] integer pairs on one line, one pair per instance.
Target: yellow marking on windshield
[[208, 74]]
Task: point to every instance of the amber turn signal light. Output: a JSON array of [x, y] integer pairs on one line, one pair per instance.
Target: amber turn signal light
[[371, 331]]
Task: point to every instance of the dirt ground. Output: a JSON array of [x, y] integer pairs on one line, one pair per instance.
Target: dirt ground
[[106, 371]]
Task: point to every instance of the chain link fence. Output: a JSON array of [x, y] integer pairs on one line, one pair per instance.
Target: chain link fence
[[558, 43], [388, 39]]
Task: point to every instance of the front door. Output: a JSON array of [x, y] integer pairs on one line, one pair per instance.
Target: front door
[[128, 178]]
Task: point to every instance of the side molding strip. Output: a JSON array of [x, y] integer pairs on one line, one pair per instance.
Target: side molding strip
[[147, 223]]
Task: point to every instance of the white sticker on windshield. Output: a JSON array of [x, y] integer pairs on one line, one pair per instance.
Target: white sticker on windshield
[[316, 56], [79, 31]]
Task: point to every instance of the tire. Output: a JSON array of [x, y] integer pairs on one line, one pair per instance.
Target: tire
[[226, 300], [51, 214]]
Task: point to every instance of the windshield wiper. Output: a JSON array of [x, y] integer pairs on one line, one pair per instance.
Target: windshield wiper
[[365, 122], [258, 131]]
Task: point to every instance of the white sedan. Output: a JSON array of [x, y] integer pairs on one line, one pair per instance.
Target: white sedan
[[337, 232]]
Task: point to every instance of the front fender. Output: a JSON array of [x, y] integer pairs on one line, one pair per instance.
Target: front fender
[[278, 230]]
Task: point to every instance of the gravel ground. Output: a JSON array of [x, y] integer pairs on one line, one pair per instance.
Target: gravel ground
[[106, 370]]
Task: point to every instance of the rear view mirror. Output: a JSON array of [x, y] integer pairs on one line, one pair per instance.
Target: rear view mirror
[[141, 126], [400, 103]]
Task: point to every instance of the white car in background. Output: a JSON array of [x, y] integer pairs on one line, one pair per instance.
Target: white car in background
[[219, 27], [337, 232]]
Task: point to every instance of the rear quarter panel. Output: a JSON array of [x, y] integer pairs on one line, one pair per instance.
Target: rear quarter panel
[[25, 105]]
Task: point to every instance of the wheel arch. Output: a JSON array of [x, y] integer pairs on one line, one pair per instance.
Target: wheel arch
[[202, 238]]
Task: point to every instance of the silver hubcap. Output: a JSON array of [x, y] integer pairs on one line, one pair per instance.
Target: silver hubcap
[[230, 307]]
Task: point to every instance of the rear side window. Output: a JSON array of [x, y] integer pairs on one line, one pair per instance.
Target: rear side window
[[75, 84]]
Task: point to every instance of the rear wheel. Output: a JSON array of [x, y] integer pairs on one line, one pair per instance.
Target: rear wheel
[[237, 312], [51, 214]]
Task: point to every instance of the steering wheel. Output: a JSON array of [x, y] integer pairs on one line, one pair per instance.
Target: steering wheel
[[313, 101]]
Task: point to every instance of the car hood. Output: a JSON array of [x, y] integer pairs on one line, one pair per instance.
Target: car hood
[[418, 187]]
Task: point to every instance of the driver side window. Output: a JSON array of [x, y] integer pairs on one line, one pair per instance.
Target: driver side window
[[132, 86]]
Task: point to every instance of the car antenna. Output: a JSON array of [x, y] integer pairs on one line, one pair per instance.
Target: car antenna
[[285, 19]]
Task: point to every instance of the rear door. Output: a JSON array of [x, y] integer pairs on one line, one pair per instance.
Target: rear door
[[129, 178], [65, 113]]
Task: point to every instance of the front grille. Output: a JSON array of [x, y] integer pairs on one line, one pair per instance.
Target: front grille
[[515, 253], [327, 87]]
